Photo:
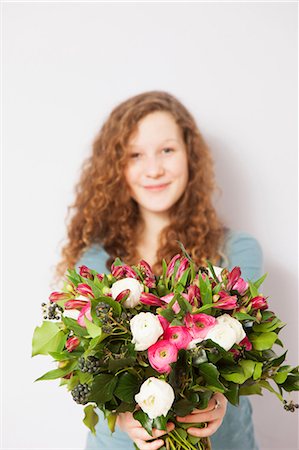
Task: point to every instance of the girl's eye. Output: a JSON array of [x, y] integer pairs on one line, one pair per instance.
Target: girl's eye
[[168, 150]]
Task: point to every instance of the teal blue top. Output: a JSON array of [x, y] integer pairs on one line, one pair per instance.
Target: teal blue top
[[236, 431]]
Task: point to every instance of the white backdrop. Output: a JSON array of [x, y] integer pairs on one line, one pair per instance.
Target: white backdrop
[[66, 65]]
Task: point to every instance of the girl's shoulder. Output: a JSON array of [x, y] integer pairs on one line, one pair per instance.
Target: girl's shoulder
[[94, 257]]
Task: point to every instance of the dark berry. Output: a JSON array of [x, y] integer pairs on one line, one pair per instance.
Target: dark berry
[[80, 393]]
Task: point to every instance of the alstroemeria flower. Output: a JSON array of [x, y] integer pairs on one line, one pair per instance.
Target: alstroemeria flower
[[167, 299], [72, 343], [56, 296], [184, 264], [194, 295], [123, 271], [85, 272], [124, 284], [170, 268], [85, 290], [161, 354], [85, 312], [150, 299], [199, 324], [179, 336], [235, 282], [146, 269], [75, 304], [226, 301], [259, 302], [164, 322]]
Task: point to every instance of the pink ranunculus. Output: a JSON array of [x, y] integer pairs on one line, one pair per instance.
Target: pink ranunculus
[[171, 265], [179, 336], [226, 301], [150, 299], [164, 322], [161, 354], [194, 295], [85, 272], [167, 299], [85, 312], [184, 264], [72, 343], [85, 290], [246, 343], [199, 324], [149, 280], [75, 304], [259, 302], [123, 271], [56, 296]]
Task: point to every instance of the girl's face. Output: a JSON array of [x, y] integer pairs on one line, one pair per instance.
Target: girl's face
[[157, 169]]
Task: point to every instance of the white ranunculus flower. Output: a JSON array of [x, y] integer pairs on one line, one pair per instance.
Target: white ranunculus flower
[[146, 329], [192, 344], [223, 335], [234, 324], [155, 397], [136, 288]]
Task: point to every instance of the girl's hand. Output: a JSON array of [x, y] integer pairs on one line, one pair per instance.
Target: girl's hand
[[213, 415], [138, 434]]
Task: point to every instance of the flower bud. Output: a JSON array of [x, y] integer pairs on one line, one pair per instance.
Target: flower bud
[[85, 272], [85, 290], [56, 296], [72, 343], [259, 302], [171, 265]]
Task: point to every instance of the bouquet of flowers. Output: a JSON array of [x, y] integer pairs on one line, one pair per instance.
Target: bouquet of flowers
[[160, 347]]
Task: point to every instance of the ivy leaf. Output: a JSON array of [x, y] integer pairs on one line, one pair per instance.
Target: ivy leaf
[[232, 393], [93, 330], [111, 419], [91, 418], [127, 387], [211, 375], [73, 325], [160, 423], [102, 388], [145, 421], [263, 341], [250, 389], [58, 373], [48, 338]]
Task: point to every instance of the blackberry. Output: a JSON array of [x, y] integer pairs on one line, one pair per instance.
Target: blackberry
[[91, 364], [52, 311], [80, 393], [102, 308]]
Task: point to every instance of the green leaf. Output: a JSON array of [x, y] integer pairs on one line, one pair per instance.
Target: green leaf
[[183, 407], [253, 290], [102, 388], [258, 282], [243, 316], [258, 369], [73, 325], [160, 423], [111, 419], [91, 418], [168, 314], [145, 421], [250, 389], [97, 340], [184, 304], [127, 387], [211, 375], [205, 290], [58, 373], [263, 341], [93, 330], [291, 383], [211, 267], [62, 356], [268, 326], [47, 338], [117, 309], [232, 393], [266, 385], [235, 374], [116, 364], [184, 278]]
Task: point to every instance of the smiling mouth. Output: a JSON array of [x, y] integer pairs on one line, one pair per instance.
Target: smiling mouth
[[158, 187]]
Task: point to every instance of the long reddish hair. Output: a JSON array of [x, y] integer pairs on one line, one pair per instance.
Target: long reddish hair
[[103, 211]]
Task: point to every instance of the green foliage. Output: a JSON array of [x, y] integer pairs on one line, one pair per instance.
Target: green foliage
[[91, 418], [263, 341], [127, 387], [48, 338], [102, 388]]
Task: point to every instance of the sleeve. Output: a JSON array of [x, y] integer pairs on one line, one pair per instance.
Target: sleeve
[[95, 258], [244, 250]]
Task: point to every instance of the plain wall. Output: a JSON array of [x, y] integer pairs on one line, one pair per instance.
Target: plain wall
[[66, 65]]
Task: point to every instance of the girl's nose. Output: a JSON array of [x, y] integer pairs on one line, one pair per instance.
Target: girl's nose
[[154, 167]]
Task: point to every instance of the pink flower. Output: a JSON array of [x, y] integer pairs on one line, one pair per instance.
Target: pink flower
[[164, 322], [226, 301], [150, 299], [100, 276], [236, 353], [85, 312], [75, 304], [161, 354], [123, 271], [199, 324], [184, 264], [194, 295], [56, 296], [246, 343], [72, 343], [122, 294], [235, 282], [171, 265], [259, 302], [84, 290], [167, 298], [179, 336], [149, 280], [84, 271]]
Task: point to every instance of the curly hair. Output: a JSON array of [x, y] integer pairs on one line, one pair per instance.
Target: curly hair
[[104, 212]]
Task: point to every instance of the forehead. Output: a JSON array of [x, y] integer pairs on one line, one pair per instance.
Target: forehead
[[154, 129]]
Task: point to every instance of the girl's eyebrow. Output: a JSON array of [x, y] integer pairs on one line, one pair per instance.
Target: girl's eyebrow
[[166, 140]]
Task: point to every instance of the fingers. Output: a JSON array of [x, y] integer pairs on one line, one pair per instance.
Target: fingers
[[142, 445], [207, 431]]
